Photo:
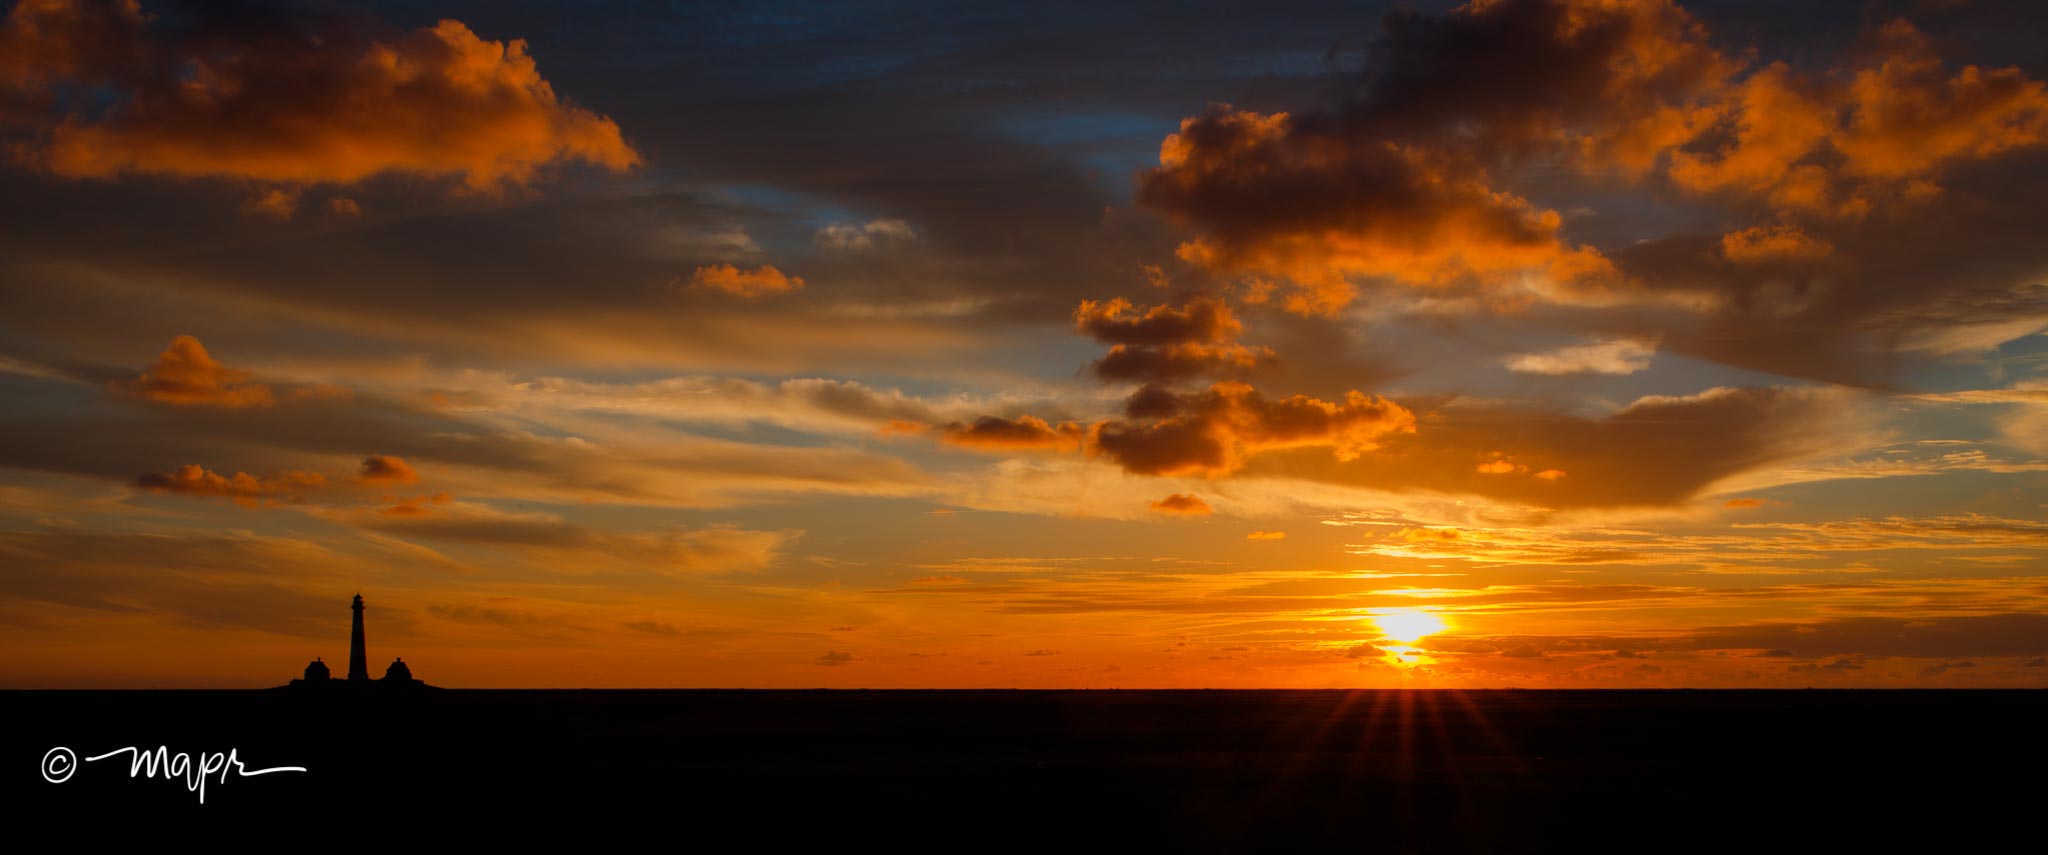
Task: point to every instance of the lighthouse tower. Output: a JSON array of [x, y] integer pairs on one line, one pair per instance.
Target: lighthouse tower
[[358, 660]]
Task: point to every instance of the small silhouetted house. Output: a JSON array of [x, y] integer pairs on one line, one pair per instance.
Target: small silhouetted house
[[317, 671], [398, 673]]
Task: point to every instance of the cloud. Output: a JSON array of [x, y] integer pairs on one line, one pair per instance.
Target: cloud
[[1658, 450], [847, 236], [385, 469], [579, 548], [1266, 535], [1841, 149], [1199, 320], [1215, 432], [1760, 545], [1302, 199], [745, 283], [209, 580], [245, 489], [1182, 504], [1395, 183], [1021, 433], [313, 100], [1168, 343], [2012, 634], [1761, 243], [185, 375], [1875, 222], [416, 506], [276, 204], [1177, 362], [1622, 356], [1502, 466], [836, 658]]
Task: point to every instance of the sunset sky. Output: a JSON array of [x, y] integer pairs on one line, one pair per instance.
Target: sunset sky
[[1519, 343]]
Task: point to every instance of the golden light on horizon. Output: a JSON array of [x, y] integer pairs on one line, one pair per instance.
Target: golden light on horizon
[[1408, 626]]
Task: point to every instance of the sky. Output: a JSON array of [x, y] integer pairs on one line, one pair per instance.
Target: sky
[[1532, 343]]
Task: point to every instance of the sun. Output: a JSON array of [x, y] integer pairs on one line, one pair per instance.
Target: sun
[[1408, 625]]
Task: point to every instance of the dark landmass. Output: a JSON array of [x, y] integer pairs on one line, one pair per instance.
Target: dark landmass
[[1007, 770]]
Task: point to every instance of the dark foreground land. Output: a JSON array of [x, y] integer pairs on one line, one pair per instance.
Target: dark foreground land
[[1006, 770]]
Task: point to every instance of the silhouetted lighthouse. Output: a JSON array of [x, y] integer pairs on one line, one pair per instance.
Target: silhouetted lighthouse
[[358, 660]]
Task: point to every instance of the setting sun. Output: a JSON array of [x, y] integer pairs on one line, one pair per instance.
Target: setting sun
[[1408, 625]]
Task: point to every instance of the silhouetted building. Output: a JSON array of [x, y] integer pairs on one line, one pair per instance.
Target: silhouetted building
[[398, 674], [358, 658]]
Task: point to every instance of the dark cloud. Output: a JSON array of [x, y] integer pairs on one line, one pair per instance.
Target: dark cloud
[[1656, 451], [1200, 320], [385, 469], [2014, 634], [192, 480], [1022, 433], [213, 581], [299, 98], [1218, 431], [1181, 504], [1394, 182]]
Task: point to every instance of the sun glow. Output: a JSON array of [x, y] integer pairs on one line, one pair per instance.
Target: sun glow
[[1408, 625]]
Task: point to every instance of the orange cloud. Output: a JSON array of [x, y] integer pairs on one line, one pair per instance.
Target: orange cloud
[[1908, 115], [1177, 362], [385, 469], [278, 204], [1767, 243], [1777, 121], [1266, 535], [1306, 202], [185, 375], [1657, 451], [1201, 319], [1816, 145], [1213, 433], [416, 506], [1021, 433], [1181, 504], [316, 102], [245, 489], [745, 283], [901, 427], [1395, 183], [1743, 503]]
